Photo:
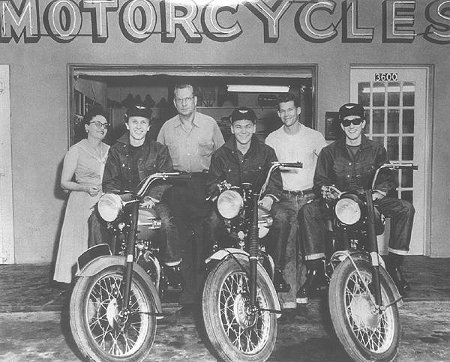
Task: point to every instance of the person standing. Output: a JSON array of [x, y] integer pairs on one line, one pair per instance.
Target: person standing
[[191, 137], [82, 175], [293, 142], [350, 164]]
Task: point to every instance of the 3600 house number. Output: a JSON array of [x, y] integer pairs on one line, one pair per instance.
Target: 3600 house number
[[386, 77]]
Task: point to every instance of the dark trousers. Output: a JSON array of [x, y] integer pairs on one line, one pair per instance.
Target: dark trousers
[[187, 200], [284, 215], [170, 241], [312, 218]]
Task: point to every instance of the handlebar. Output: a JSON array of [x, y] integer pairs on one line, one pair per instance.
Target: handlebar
[[394, 166], [289, 164], [145, 184], [274, 166]]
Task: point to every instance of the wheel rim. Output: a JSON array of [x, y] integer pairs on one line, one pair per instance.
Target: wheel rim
[[246, 330], [373, 330], [112, 332]]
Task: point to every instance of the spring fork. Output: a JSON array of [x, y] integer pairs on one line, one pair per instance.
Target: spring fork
[[253, 251]]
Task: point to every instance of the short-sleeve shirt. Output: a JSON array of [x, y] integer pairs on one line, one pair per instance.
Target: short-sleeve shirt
[[191, 151], [304, 147]]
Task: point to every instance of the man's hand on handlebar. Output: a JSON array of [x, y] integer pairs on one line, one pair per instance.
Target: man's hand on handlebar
[[266, 203], [330, 192], [148, 202]]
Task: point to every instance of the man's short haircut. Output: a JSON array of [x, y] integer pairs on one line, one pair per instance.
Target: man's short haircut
[[287, 97], [183, 86]]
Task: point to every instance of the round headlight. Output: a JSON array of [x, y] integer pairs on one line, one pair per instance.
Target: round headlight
[[109, 206], [347, 211], [229, 203]]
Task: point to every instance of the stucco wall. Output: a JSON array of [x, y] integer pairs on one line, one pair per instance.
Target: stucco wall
[[39, 99]]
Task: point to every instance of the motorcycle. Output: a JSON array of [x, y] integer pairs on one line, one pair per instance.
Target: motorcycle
[[363, 299], [240, 306], [116, 302]]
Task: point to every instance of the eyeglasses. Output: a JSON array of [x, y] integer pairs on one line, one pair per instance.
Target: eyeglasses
[[355, 121], [99, 124], [184, 100]]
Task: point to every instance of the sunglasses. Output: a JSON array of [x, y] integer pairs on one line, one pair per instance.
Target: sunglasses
[[356, 122], [99, 124]]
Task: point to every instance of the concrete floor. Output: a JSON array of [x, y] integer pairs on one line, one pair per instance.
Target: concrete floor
[[33, 322]]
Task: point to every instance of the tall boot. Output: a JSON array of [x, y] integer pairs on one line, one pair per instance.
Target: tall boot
[[315, 279], [393, 267]]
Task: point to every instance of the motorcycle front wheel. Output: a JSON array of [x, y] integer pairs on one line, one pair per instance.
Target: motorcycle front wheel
[[99, 328], [366, 334], [236, 332]]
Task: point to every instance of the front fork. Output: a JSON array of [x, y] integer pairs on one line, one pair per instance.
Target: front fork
[[373, 249], [131, 240], [253, 251]]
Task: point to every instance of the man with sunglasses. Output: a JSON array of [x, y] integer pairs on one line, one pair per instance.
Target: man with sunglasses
[[350, 164], [131, 159]]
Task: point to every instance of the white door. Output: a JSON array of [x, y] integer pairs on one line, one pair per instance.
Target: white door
[[6, 204], [396, 103]]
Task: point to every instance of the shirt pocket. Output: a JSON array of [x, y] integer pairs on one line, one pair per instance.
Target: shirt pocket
[[205, 147]]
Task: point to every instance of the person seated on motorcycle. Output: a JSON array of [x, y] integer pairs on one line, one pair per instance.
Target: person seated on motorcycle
[[132, 158], [245, 159], [350, 164]]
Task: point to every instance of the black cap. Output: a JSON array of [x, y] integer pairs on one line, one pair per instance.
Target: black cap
[[139, 110], [243, 113], [351, 109]]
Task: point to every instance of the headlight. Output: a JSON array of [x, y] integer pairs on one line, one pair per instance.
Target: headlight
[[229, 203], [347, 211], [109, 207]]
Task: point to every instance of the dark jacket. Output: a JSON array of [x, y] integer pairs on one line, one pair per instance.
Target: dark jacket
[[225, 165], [336, 166], [154, 157]]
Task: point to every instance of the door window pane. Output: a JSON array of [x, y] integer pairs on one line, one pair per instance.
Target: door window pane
[[408, 121], [409, 90], [378, 94], [407, 195], [392, 148], [407, 148], [394, 94], [364, 94], [407, 178], [378, 121], [393, 119]]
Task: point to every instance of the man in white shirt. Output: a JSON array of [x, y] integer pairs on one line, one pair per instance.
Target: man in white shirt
[[293, 142]]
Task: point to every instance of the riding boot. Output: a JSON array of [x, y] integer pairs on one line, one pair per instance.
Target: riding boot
[[315, 279], [280, 283], [393, 267]]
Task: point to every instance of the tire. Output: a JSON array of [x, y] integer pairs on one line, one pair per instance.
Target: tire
[[94, 307], [236, 335], [366, 336]]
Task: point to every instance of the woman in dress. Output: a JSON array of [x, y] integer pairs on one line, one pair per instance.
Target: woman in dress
[[86, 161]]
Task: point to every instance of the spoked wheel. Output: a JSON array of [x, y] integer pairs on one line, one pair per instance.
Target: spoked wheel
[[100, 328], [236, 332], [366, 334]]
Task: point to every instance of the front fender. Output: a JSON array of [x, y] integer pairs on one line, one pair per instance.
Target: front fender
[[102, 262], [341, 255], [243, 255]]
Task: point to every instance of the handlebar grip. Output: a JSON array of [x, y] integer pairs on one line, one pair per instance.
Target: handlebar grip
[[415, 167], [179, 176], [291, 164]]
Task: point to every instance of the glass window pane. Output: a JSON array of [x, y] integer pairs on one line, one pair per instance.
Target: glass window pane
[[364, 94], [408, 121], [380, 140], [393, 119], [394, 94], [378, 121], [407, 195], [409, 90], [408, 148], [393, 148], [379, 90], [407, 178]]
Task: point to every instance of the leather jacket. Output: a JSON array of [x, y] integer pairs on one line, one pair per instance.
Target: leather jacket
[[154, 157], [225, 165], [336, 166]]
